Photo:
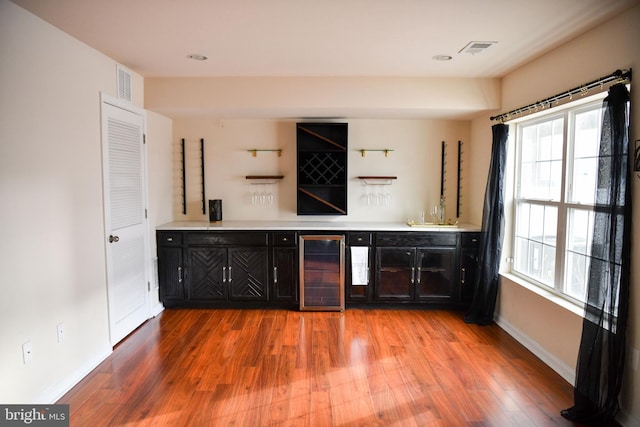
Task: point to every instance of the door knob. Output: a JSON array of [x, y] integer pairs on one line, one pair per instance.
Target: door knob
[[113, 238]]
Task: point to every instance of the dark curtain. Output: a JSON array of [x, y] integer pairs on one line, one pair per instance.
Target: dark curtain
[[487, 279], [602, 346]]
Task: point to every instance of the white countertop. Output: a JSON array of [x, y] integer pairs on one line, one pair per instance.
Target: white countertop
[[309, 225]]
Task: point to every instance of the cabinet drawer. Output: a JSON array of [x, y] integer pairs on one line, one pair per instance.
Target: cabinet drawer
[[169, 238], [359, 239], [416, 239], [238, 239], [470, 239], [284, 239]]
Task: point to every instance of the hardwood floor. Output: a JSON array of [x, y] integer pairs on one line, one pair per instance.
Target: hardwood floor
[[363, 367]]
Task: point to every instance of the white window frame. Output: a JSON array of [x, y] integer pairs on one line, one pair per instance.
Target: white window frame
[[567, 111]]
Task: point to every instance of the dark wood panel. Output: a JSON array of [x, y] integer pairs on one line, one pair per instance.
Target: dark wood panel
[[169, 238], [411, 238], [249, 238]]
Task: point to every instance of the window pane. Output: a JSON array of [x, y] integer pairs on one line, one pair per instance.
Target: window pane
[[536, 226], [576, 276], [541, 160], [584, 181], [535, 243], [579, 238], [580, 230], [587, 133], [521, 256], [585, 146], [548, 273], [522, 219], [550, 225]]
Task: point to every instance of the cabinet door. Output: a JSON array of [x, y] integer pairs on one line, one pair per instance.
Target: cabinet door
[[434, 274], [170, 274], [285, 275], [206, 274], [395, 274], [468, 273], [247, 276], [358, 278]]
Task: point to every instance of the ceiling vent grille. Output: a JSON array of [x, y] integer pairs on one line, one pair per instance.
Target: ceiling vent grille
[[124, 83], [476, 47]]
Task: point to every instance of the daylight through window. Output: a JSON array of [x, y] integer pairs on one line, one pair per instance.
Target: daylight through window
[[555, 184]]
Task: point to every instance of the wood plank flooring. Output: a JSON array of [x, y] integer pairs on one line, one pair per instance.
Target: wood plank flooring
[[363, 367]]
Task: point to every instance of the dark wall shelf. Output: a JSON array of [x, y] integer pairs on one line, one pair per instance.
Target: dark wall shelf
[[322, 168]]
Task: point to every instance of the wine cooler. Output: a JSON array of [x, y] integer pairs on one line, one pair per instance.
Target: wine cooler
[[322, 272]]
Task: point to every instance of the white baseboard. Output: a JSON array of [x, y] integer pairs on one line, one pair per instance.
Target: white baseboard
[[565, 371], [157, 309], [55, 392]]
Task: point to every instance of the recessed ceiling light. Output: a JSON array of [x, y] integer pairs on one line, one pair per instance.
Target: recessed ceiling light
[[442, 57], [197, 57]]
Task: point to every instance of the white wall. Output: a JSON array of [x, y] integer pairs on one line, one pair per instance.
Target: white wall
[[160, 182], [552, 331], [52, 251], [415, 161]]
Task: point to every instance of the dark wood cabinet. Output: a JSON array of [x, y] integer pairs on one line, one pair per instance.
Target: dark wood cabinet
[[422, 272], [205, 269], [220, 274], [170, 271], [435, 274], [468, 266], [284, 271], [322, 168], [264, 268], [247, 274], [206, 274], [359, 267]]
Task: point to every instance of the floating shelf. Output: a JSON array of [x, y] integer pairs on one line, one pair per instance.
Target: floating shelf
[[264, 179], [386, 151], [254, 151], [378, 180]]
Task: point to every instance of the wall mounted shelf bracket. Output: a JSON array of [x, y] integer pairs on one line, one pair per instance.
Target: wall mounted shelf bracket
[[386, 151], [254, 151]]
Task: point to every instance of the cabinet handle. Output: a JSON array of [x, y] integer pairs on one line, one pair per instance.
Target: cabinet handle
[[413, 275], [224, 274], [179, 274], [418, 278], [113, 239], [275, 275], [463, 271], [169, 239], [284, 239], [229, 277]]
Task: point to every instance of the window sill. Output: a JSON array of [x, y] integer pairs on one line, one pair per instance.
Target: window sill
[[567, 305]]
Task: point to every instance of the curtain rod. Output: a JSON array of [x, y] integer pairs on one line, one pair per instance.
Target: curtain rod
[[615, 77]]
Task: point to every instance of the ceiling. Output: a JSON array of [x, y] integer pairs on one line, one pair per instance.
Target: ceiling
[[323, 37]]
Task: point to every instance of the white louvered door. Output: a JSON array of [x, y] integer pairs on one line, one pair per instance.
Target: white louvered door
[[125, 223]]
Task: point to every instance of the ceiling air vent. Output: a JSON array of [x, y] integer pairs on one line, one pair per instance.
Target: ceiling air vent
[[124, 83], [476, 47]]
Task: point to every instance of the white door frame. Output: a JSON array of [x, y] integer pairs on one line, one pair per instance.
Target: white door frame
[[127, 106]]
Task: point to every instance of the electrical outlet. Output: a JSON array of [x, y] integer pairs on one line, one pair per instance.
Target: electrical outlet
[[60, 329], [27, 352]]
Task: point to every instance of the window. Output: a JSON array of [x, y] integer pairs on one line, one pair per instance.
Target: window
[[556, 173]]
